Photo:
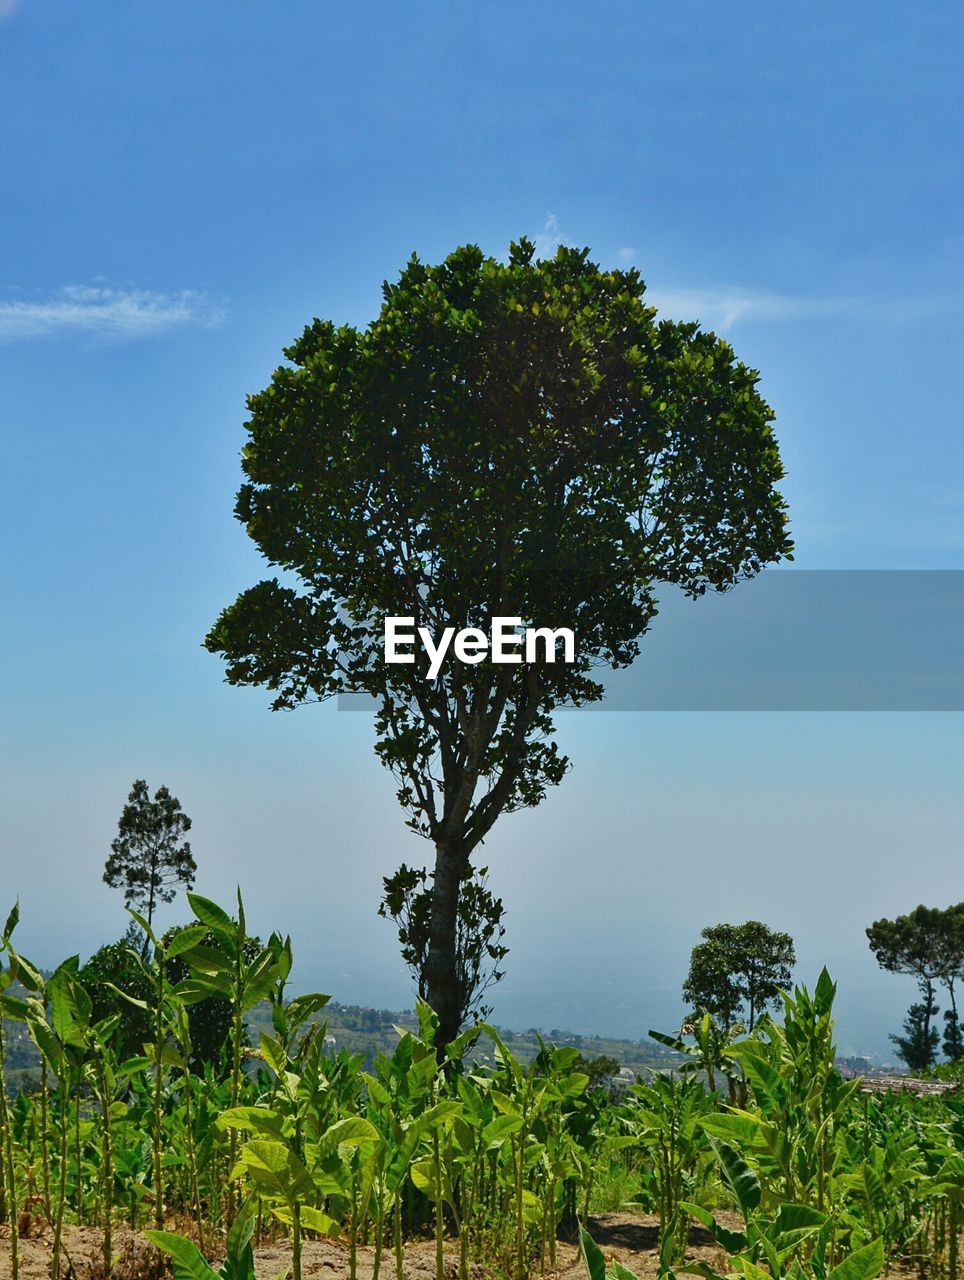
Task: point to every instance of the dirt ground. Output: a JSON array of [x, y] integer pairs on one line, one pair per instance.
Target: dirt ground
[[629, 1238]]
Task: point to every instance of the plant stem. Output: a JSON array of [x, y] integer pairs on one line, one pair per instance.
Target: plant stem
[[9, 1175], [108, 1167], [296, 1241], [62, 1188], [44, 1136], [158, 1096]]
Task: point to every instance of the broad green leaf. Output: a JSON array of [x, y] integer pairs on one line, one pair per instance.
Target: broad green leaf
[[739, 1177], [186, 1258], [208, 961], [750, 1269], [423, 1178], [193, 990], [733, 1127], [239, 1263], [731, 1241], [311, 1220], [68, 1004], [824, 993], [211, 914], [618, 1272], [700, 1269], [592, 1256], [252, 1119], [47, 1043], [303, 1007], [13, 920], [531, 1206], [14, 1008], [504, 1103], [698, 1212], [864, 1264], [273, 1053], [352, 1130], [168, 1055], [667, 1244], [766, 1082], [133, 1000], [276, 1172], [796, 1217], [497, 1130], [572, 1085], [377, 1091], [142, 921], [260, 979], [435, 1117], [28, 976], [873, 1186], [184, 939], [671, 1042]]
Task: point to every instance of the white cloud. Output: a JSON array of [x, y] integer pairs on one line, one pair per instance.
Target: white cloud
[[548, 240], [102, 311], [719, 309], [724, 308]]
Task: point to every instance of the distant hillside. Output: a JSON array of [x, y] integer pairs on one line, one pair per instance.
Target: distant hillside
[[370, 1031]]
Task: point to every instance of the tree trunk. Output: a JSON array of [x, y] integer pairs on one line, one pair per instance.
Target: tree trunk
[[929, 1011], [441, 972], [153, 889], [955, 1026]]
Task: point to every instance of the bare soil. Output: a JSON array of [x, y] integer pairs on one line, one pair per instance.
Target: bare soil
[[631, 1239]]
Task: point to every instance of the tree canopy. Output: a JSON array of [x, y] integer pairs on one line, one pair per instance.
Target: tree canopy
[[738, 970], [111, 970], [927, 944], [522, 438]]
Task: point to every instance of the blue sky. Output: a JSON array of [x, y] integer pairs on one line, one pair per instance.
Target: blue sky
[[184, 186]]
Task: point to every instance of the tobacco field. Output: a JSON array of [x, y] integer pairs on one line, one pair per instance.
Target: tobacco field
[[756, 1148]]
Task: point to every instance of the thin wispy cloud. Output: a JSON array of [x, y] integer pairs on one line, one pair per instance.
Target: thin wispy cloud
[[721, 308], [106, 312], [548, 240], [725, 308]]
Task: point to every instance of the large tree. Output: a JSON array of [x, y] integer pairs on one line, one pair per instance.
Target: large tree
[[738, 970], [149, 858], [517, 439]]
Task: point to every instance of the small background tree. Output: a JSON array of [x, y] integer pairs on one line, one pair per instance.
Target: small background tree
[[737, 970], [150, 859], [918, 1045], [209, 1020], [952, 972], [927, 944], [112, 969]]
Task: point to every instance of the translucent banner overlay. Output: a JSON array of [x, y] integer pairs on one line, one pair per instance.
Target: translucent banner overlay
[[798, 640]]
